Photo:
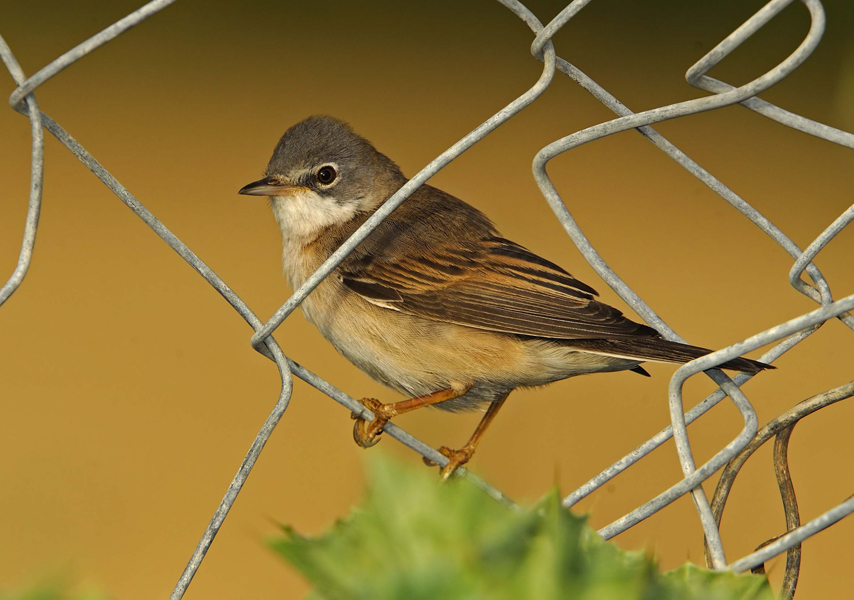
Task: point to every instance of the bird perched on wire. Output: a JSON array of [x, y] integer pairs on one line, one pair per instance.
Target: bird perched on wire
[[435, 304]]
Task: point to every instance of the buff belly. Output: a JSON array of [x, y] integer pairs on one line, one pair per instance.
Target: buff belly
[[419, 356]]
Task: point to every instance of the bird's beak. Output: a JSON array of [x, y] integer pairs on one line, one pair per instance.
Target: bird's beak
[[269, 186]]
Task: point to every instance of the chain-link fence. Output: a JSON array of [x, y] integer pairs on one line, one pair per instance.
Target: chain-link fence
[[786, 335]]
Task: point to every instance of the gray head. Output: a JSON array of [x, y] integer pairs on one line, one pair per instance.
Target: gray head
[[322, 174]]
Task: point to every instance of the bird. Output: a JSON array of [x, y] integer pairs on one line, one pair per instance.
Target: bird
[[436, 304]]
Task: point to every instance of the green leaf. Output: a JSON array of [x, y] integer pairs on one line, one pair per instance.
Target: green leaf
[[417, 539], [703, 584]]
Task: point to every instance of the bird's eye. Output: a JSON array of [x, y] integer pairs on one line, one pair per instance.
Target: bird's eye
[[326, 175]]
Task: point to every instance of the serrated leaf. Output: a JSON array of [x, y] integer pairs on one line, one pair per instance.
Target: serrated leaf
[[703, 584], [417, 539]]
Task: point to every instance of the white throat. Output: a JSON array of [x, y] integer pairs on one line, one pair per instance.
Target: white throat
[[302, 217]]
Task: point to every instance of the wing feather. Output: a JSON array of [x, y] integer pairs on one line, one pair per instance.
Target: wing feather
[[491, 284]]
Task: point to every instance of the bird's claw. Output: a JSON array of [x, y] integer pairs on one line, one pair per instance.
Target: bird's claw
[[366, 433], [456, 459]]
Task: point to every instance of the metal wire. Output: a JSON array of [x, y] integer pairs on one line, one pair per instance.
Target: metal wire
[[788, 334], [781, 427], [785, 421]]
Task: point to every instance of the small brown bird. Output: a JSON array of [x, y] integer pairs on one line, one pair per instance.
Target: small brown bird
[[435, 304]]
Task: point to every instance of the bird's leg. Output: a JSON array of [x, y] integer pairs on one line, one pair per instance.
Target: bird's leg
[[457, 458], [365, 432]]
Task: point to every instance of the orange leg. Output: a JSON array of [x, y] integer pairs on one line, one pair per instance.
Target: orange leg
[[365, 432], [457, 458]]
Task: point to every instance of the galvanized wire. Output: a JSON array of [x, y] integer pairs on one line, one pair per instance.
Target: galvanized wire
[[781, 427], [787, 334]]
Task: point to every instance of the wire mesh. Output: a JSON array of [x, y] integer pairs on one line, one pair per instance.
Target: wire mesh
[[786, 335]]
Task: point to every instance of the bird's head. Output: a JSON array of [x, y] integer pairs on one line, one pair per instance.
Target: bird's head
[[321, 175]]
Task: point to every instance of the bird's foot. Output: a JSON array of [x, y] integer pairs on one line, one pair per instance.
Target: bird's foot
[[366, 433], [456, 459]]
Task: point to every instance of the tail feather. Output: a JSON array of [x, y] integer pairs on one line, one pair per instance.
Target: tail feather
[[640, 371], [661, 350]]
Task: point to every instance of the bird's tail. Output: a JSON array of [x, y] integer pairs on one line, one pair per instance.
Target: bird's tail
[[660, 350]]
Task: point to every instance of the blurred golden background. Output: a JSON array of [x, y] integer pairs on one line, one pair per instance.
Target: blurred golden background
[[130, 392]]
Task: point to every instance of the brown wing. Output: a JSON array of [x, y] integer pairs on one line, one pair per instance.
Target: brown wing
[[491, 284]]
